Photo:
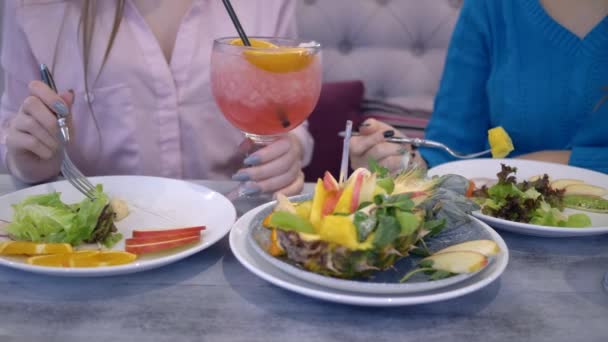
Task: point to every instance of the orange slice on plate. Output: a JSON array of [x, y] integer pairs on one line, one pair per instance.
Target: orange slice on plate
[[275, 58], [105, 258], [33, 248], [83, 258]]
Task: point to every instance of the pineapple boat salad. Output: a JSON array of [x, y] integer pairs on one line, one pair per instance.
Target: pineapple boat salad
[[372, 220], [46, 230]]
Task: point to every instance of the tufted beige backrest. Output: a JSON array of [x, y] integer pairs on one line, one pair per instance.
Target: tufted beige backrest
[[397, 47]]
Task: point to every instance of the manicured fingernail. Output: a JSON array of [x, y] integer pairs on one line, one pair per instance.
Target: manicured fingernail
[[60, 108], [389, 134], [252, 160], [251, 189], [365, 124], [241, 177]]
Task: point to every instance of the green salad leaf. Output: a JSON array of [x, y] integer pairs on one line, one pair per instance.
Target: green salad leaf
[[534, 202], [45, 218]]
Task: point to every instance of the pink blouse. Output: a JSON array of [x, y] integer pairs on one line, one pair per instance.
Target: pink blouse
[[149, 117]]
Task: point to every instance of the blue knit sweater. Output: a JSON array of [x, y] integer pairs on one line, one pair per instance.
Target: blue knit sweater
[[510, 64]]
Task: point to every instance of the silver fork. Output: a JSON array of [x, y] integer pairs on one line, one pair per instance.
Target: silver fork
[[68, 169], [428, 143]]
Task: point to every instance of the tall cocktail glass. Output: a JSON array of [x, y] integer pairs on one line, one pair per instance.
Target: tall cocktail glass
[[266, 89]]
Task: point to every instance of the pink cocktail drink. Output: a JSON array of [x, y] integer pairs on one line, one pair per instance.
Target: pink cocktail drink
[[262, 91]]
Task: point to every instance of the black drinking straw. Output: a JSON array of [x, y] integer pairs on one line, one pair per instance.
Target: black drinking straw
[[236, 22]]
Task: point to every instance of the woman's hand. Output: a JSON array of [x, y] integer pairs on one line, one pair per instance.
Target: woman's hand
[[276, 168], [371, 144], [560, 157], [32, 139]]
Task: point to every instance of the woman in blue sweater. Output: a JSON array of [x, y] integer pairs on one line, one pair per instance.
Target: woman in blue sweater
[[538, 68]]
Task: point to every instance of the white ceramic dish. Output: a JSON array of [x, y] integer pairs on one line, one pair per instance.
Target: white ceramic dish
[[385, 282], [244, 252], [155, 203], [488, 168]]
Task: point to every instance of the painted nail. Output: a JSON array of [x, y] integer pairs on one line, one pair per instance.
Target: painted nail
[[252, 160], [389, 134], [251, 189], [241, 177], [365, 124], [60, 108]]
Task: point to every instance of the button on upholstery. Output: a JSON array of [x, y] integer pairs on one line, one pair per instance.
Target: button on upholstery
[[345, 46], [382, 2], [310, 2]]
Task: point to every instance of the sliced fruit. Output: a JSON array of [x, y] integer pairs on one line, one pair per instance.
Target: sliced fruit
[[536, 177], [316, 212], [33, 248], [457, 262], [342, 231], [104, 258], [354, 204], [284, 204], [587, 203], [330, 202], [120, 209], [288, 221], [485, 247], [54, 260], [275, 248], [585, 189], [470, 189], [500, 142], [274, 58], [160, 238], [562, 183], [160, 246], [148, 233], [329, 182], [303, 209]]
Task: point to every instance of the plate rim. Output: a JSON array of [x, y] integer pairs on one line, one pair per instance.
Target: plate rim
[[126, 268], [527, 228], [479, 281]]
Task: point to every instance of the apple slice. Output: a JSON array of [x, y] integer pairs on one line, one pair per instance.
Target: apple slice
[[485, 247], [585, 189], [537, 177], [161, 232], [160, 246], [330, 183], [330, 203], [562, 183], [160, 238], [457, 262]]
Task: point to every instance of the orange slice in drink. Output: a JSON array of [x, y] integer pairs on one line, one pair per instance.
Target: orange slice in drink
[[105, 258], [33, 248], [275, 58]]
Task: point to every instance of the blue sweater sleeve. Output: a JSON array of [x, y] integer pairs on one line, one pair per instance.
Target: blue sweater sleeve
[[590, 143], [460, 118]]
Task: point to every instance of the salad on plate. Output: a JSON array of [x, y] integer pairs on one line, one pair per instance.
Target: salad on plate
[[372, 220], [540, 200]]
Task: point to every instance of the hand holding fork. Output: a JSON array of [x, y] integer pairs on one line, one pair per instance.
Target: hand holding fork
[[36, 135]]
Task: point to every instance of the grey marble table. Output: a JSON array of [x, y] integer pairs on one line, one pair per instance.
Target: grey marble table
[[551, 291]]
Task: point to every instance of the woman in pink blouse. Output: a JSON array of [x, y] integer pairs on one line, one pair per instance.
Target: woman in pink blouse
[[144, 105]]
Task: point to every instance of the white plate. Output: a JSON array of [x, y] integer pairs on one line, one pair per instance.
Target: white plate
[[155, 203], [488, 168], [384, 282], [242, 249]]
